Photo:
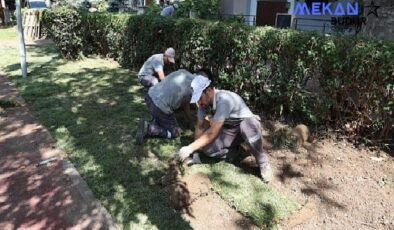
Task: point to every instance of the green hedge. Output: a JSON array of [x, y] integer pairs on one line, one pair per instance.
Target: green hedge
[[103, 33], [63, 25], [341, 81]]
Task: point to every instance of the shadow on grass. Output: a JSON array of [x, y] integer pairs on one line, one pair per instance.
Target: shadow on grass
[[39, 67], [7, 26], [92, 114], [270, 216]]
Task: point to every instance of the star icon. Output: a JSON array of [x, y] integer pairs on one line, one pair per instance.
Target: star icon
[[373, 9]]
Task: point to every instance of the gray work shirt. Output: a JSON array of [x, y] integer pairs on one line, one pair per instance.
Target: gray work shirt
[[154, 64], [228, 107], [174, 90], [167, 11]]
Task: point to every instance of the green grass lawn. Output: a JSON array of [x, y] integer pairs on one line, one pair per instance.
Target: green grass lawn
[[91, 107], [8, 33]]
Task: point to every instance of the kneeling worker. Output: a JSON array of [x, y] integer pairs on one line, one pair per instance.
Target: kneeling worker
[[162, 100], [152, 71], [232, 122]]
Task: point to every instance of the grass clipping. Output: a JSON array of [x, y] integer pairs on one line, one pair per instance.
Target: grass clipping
[[248, 194]]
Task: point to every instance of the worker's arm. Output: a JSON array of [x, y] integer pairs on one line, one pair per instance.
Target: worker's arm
[[199, 128], [186, 109], [161, 75], [208, 136]]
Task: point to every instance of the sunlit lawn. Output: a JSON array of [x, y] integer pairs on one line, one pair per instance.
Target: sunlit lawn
[[91, 107], [7, 33]]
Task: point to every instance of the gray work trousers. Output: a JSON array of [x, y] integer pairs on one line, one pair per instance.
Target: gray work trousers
[[162, 122], [249, 130], [147, 81]]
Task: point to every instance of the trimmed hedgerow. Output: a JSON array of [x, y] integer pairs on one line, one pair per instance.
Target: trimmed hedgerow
[[341, 81], [63, 25]]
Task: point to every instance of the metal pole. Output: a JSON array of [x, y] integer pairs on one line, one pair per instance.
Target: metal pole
[[22, 48], [296, 23], [2, 9]]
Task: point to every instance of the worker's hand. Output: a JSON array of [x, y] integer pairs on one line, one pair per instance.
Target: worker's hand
[[183, 153], [195, 160]]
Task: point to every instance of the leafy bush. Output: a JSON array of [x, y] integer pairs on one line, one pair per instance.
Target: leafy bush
[[102, 33], [63, 25], [205, 9], [152, 9], [340, 81]]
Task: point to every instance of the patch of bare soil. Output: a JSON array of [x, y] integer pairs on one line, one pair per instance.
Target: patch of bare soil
[[339, 186], [343, 187], [200, 205]]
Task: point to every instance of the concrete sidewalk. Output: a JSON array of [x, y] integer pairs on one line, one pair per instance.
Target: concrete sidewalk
[[50, 196]]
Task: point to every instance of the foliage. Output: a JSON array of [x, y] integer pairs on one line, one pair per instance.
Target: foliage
[[206, 9], [101, 6], [10, 4], [340, 81], [102, 33], [63, 25], [152, 10], [76, 4], [182, 10]]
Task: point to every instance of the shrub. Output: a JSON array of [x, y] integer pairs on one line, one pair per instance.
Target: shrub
[[102, 33], [206, 9], [63, 25]]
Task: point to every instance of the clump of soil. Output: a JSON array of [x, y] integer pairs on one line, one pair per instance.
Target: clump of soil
[[179, 197], [178, 193], [173, 173]]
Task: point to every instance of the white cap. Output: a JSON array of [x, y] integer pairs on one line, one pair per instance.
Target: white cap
[[170, 53], [199, 83]]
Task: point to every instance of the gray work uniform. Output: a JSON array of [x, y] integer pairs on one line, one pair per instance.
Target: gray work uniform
[[239, 124], [167, 11], [147, 73], [166, 97]]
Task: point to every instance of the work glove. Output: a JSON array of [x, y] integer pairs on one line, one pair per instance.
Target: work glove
[[195, 160], [183, 153]]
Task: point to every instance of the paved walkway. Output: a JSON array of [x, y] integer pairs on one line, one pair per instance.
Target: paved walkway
[[50, 196]]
